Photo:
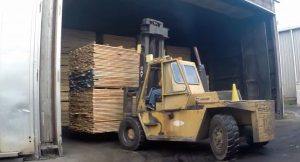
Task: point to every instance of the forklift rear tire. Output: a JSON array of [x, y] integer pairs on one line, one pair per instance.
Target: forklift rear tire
[[131, 134], [224, 136]]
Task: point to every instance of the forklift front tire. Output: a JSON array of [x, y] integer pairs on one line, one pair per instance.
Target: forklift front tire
[[224, 136], [131, 134]]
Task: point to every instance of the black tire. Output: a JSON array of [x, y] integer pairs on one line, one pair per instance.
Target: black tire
[[224, 136], [130, 124], [256, 145]]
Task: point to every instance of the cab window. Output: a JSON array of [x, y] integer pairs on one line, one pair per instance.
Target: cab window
[[191, 74], [176, 73]]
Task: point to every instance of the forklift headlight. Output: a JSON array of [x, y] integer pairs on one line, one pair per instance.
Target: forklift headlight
[[149, 58]]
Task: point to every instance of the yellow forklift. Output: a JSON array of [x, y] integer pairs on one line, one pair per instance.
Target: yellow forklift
[[185, 110]]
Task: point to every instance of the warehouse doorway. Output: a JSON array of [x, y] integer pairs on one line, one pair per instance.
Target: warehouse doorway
[[234, 39]]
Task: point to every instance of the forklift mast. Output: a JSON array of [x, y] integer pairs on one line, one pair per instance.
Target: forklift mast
[[153, 34]]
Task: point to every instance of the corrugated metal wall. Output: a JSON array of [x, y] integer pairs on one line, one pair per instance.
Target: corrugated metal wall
[[289, 41], [296, 37]]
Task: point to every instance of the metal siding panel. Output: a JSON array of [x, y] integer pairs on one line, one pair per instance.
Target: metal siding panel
[[296, 37], [266, 4], [287, 64]]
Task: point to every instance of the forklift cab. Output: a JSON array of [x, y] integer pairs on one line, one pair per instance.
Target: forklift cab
[[179, 79]]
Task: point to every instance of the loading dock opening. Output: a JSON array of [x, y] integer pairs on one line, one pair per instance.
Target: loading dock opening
[[236, 40]]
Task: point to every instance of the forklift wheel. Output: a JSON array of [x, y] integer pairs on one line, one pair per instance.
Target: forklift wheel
[[131, 134], [224, 136]]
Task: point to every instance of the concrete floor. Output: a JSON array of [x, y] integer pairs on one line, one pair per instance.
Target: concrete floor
[[105, 148]]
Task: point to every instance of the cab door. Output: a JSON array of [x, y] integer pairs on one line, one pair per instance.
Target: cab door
[[175, 92]]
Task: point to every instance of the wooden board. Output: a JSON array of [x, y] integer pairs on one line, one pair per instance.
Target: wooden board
[[65, 113], [64, 60], [64, 96], [64, 72]]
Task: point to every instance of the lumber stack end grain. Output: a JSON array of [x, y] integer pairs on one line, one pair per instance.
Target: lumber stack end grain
[[71, 40], [97, 75], [110, 67], [96, 110]]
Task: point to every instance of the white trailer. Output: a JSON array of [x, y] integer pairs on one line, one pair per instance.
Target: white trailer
[[24, 85], [19, 83]]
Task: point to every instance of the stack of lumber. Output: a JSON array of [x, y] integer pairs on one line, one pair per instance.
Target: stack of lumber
[[112, 67], [175, 52], [131, 43], [96, 110], [118, 41], [71, 40], [97, 75]]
